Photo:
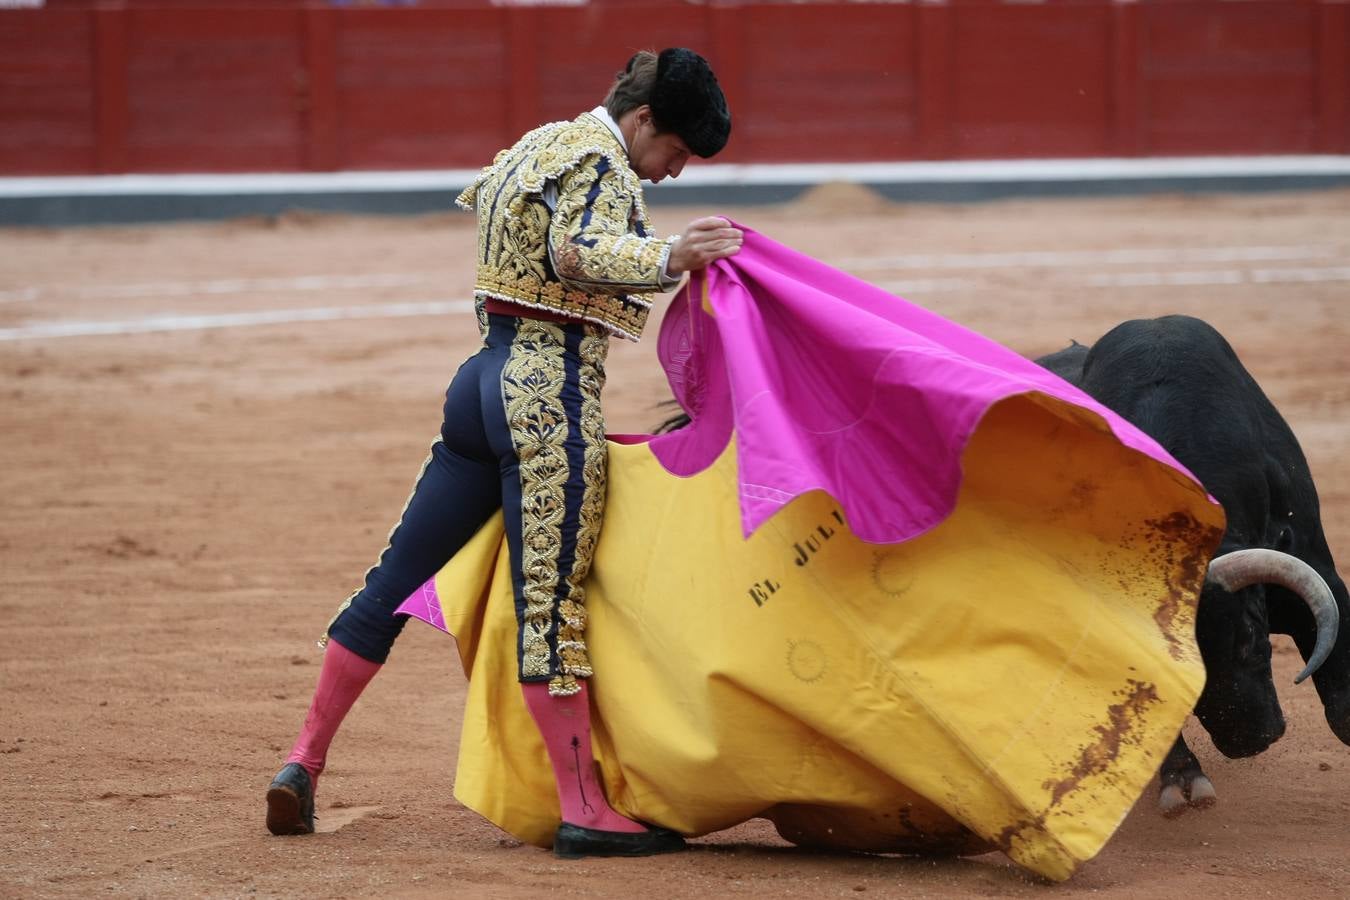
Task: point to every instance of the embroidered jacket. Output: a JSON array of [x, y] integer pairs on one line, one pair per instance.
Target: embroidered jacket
[[589, 254]]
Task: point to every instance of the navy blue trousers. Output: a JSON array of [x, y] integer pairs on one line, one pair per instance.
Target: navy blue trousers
[[523, 433]]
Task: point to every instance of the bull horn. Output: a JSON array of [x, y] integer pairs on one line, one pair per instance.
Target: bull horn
[[1243, 568]]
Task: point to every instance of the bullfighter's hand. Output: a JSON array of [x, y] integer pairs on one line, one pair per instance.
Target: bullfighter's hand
[[703, 241]]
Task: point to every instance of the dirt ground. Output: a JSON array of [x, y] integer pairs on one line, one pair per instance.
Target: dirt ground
[[186, 501]]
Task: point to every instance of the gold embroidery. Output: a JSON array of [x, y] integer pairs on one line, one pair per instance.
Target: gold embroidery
[[532, 382], [602, 251], [564, 686], [602, 258], [571, 632], [532, 385], [323, 639], [481, 314]]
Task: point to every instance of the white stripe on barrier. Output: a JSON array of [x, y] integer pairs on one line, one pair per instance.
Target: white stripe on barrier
[[712, 174]]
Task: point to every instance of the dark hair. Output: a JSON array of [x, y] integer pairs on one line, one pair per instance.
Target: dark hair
[[633, 86], [683, 93]]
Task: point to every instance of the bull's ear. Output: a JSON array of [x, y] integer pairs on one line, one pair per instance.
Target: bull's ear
[[1284, 538]]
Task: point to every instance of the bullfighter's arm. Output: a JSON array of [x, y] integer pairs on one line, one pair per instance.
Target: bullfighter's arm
[[593, 243]]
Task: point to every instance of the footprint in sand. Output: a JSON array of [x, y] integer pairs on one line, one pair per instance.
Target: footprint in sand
[[333, 819]]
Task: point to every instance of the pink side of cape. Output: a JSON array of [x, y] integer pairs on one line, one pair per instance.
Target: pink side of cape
[[425, 604], [829, 383]]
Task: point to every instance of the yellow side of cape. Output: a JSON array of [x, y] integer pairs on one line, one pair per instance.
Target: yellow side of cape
[[1011, 679]]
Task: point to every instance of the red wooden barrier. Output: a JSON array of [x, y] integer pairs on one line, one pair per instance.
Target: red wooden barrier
[[48, 111], [223, 86]]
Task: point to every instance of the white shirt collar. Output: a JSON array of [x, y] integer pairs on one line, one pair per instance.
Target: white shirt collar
[[603, 115]]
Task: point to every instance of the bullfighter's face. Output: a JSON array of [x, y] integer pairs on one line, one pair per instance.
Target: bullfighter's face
[[655, 154]]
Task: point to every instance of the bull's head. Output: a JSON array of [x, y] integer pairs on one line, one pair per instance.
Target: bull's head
[[1239, 707], [1288, 615]]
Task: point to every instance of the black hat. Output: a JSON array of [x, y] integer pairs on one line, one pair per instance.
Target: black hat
[[687, 100]]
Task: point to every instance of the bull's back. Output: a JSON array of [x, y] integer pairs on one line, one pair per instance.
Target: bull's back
[[1179, 380]]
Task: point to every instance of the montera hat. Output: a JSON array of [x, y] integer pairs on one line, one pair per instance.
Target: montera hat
[[687, 100]]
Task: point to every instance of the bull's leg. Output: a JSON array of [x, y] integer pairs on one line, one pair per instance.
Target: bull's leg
[[1184, 784]]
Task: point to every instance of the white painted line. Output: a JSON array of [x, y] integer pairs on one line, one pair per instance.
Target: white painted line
[[929, 286], [1299, 275], [697, 175], [914, 286], [1158, 279], [149, 324], [1188, 278], [974, 261], [20, 296], [1069, 258], [227, 286]]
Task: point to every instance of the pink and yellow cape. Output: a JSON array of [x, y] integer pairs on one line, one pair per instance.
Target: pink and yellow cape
[[895, 588]]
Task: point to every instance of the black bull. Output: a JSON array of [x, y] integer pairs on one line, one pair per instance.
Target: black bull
[[1178, 380]]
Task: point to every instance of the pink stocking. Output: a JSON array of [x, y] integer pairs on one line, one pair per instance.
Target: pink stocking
[[565, 723], [343, 677]]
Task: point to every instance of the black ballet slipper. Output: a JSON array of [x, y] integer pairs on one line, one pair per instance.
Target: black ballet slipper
[[575, 842], [290, 801]]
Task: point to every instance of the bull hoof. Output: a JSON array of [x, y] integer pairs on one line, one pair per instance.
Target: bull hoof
[[1202, 794], [1173, 799]]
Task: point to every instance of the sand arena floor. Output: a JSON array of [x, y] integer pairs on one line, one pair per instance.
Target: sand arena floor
[[190, 487]]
